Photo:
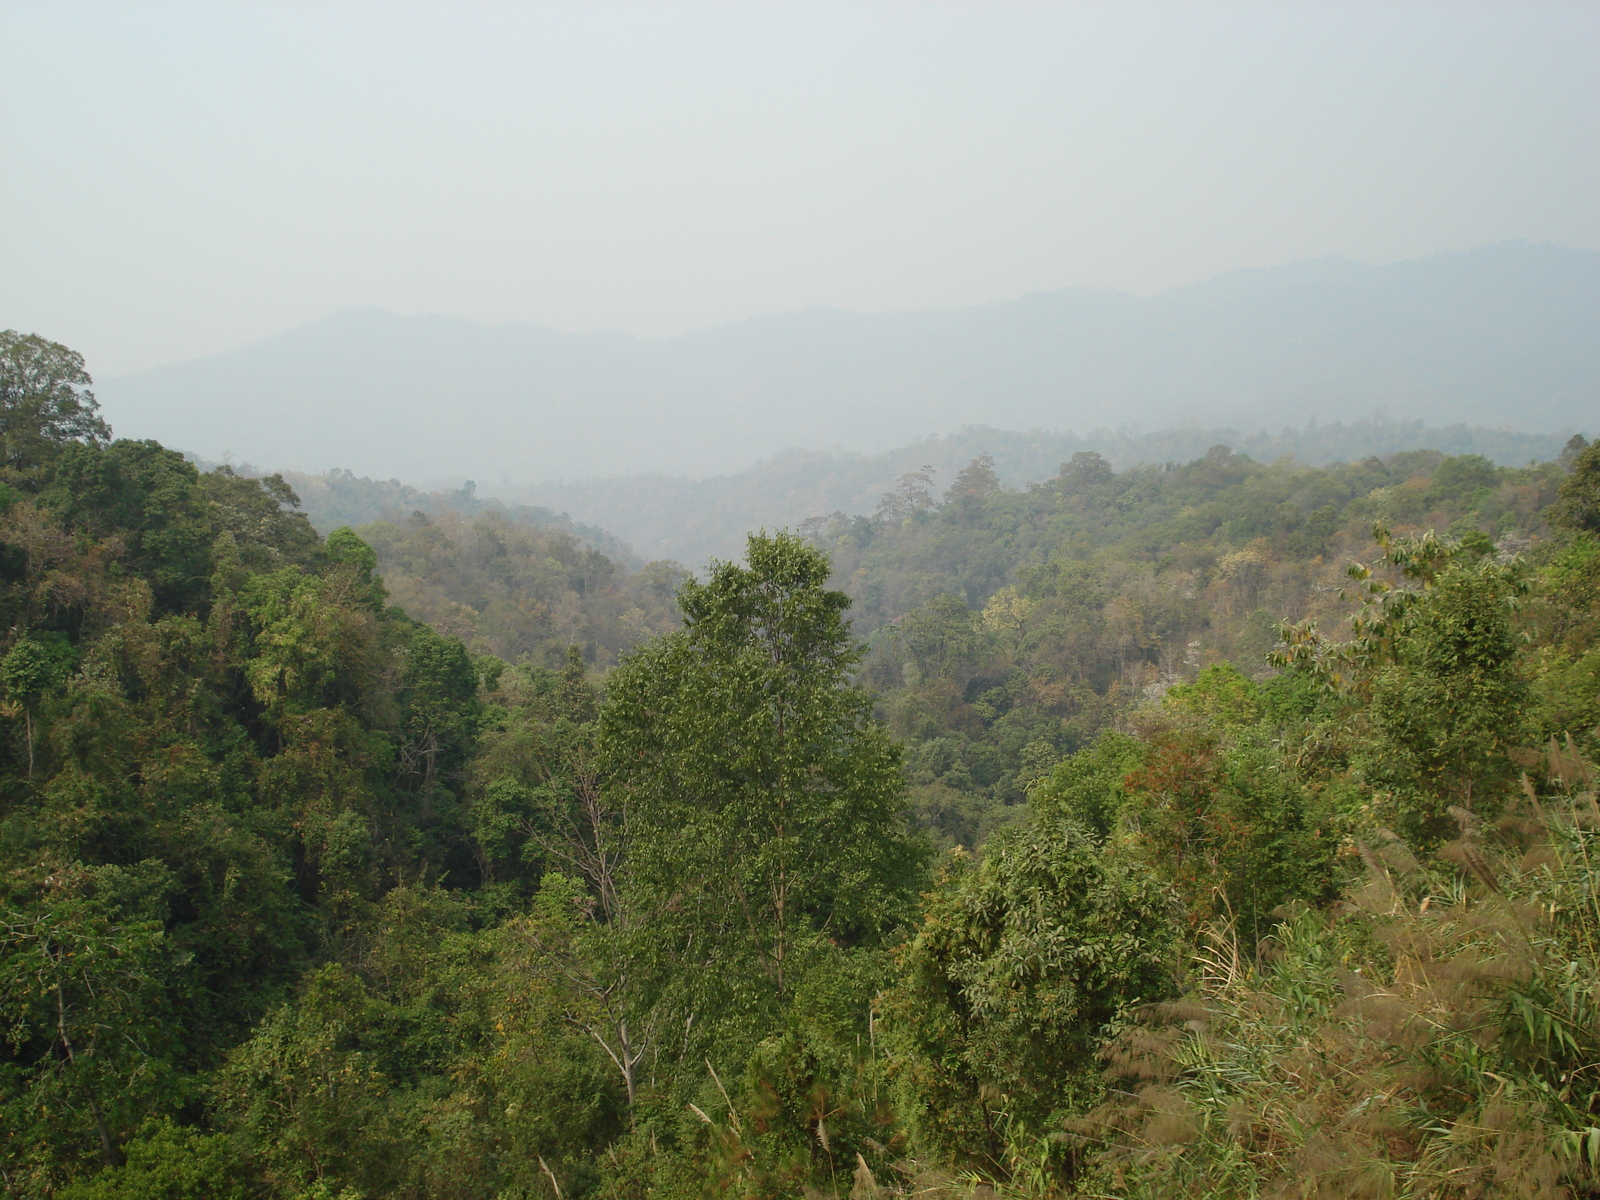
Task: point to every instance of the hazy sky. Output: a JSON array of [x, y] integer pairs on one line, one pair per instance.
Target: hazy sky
[[180, 179]]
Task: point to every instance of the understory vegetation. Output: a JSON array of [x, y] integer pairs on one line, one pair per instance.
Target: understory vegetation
[[1211, 829]]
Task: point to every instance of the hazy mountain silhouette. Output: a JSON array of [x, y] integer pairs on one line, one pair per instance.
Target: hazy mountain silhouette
[[1507, 335]]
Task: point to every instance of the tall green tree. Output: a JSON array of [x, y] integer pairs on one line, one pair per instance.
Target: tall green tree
[[976, 481], [148, 496], [764, 805], [1578, 506], [45, 401]]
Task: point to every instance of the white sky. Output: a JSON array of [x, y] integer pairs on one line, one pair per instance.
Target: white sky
[[179, 179]]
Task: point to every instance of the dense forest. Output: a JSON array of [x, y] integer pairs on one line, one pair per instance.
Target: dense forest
[[1209, 829], [693, 520], [338, 498], [516, 581]]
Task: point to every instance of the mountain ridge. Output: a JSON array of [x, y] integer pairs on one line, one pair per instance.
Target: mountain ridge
[[1503, 335]]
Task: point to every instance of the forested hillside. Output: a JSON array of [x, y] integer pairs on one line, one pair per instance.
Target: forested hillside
[[1117, 836], [1009, 628], [337, 498], [513, 580], [694, 520], [519, 590]]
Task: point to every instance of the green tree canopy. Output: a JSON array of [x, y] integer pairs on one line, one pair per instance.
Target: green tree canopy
[[45, 401], [148, 495], [1579, 503], [976, 480], [1020, 964], [764, 804]]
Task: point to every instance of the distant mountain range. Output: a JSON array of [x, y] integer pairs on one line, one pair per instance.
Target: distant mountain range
[[1506, 336]]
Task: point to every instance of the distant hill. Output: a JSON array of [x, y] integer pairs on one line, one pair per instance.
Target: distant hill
[[1508, 336], [340, 497], [691, 520]]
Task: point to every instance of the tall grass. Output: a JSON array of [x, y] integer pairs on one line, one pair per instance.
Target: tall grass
[[1435, 1035]]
